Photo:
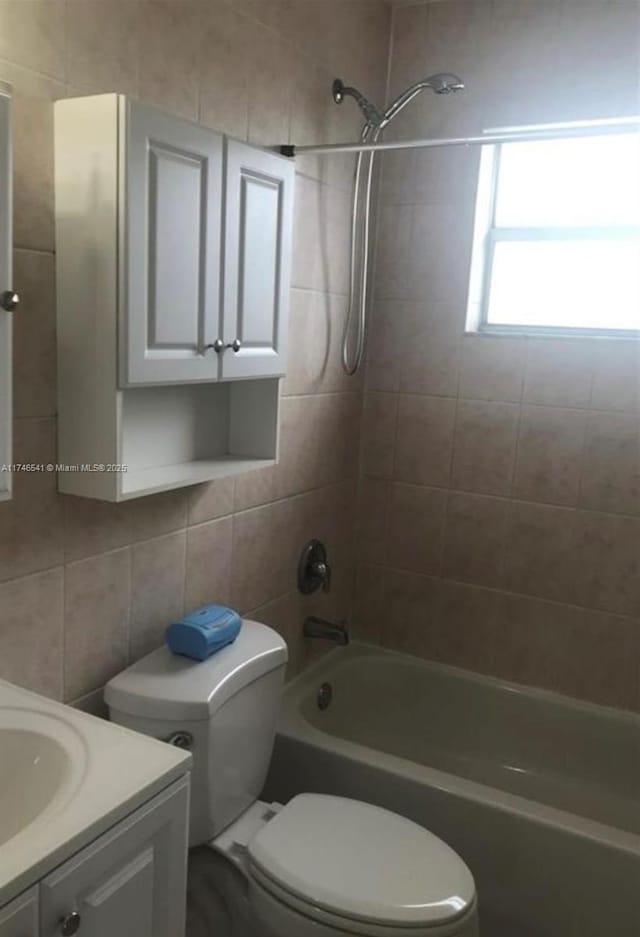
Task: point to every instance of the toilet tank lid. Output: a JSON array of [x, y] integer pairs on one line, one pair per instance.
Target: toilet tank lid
[[166, 686]]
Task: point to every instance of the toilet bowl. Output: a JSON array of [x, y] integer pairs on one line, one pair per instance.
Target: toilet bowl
[[319, 866]]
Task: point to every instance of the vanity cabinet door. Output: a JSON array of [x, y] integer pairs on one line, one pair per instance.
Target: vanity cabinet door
[[171, 179], [130, 883], [258, 234], [20, 917]]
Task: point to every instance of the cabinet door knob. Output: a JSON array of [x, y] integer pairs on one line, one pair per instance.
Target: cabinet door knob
[[218, 346], [236, 344], [69, 924], [9, 300]]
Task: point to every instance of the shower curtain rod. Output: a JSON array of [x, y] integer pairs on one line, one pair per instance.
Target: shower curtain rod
[[506, 135]]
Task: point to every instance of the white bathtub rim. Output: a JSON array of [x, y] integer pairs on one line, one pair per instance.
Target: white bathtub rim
[[293, 725]]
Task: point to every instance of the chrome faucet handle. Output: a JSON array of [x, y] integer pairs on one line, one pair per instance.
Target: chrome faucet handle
[[321, 570]]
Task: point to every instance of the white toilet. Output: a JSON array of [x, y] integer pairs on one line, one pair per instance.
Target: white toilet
[[320, 866]]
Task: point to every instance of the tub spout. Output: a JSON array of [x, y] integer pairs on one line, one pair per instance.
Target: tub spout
[[329, 631]]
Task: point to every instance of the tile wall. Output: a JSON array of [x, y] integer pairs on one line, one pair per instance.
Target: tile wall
[[87, 587], [499, 516]]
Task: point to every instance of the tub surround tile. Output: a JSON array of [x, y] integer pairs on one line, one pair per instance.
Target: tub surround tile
[[550, 455], [485, 447], [211, 501], [611, 472], [616, 376], [539, 557], [220, 67], [33, 35], [474, 540], [429, 337], [416, 525], [492, 368], [373, 501], [559, 372], [425, 440], [379, 422], [168, 55], [102, 45], [97, 603]]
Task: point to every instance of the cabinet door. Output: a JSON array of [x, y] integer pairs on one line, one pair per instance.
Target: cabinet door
[[169, 290], [20, 917], [131, 882], [6, 285], [258, 228]]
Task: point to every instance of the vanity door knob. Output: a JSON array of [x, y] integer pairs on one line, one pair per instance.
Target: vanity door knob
[[9, 300], [69, 924], [236, 344]]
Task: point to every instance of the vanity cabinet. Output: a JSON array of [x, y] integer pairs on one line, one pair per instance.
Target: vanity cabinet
[[20, 917], [7, 297], [173, 252], [130, 882]]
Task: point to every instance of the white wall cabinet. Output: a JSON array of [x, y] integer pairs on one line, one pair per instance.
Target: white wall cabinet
[[257, 262], [169, 310], [7, 298], [173, 249], [131, 882]]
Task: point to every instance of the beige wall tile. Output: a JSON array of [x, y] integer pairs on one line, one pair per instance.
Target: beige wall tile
[[492, 368], [425, 440], [31, 529], [430, 349], [34, 335], [550, 449], [485, 447], [169, 55], [208, 577], [539, 551], [157, 590], [379, 421], [223, 70], [92, 527], [32, 34], [369, 607], [559, 372], [31, 617], [33, 169], [466, 632], [97, 597], [611, 472], [285, 616], [253, 489], [269, 83], [373, 500], [412, 610], [575, 651], [210, 501], [264, 555], [475, 534], [607, 562], [616, 376], [416, 523], [102, 45]]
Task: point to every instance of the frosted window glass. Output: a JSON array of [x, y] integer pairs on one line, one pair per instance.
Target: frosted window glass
[[581, 181], [591, 284]]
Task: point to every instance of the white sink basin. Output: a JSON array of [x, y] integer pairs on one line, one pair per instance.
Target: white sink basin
[[66, 778], [42, 762]]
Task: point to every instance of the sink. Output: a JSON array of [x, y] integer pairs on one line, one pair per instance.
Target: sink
[[42, 762]]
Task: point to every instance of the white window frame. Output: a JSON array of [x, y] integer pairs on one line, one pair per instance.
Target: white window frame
[[487, 234]]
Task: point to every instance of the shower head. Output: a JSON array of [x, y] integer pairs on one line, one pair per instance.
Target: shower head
[[440, 83], [444, 83], [340, 91]]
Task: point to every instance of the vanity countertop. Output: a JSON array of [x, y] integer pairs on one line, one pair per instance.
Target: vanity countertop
[[65, 778]]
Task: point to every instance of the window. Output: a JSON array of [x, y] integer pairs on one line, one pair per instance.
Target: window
[[557, 236]]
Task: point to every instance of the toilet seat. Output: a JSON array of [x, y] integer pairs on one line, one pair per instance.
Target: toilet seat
[[360, 869]]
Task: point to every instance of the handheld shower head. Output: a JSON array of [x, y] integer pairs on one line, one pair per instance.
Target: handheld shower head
[[445, 83]]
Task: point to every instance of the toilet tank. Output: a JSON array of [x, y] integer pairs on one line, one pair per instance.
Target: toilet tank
[[227, 706]]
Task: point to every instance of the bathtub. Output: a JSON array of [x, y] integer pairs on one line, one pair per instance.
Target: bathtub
[[538, 793]]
